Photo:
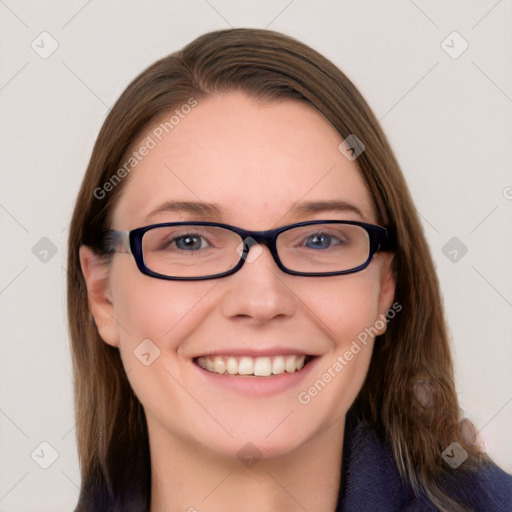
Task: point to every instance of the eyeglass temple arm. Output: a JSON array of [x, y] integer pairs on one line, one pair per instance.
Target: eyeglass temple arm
[[117, 241], [386, 243]]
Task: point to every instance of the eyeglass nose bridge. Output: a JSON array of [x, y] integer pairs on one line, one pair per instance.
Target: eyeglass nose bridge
[[253, 238]]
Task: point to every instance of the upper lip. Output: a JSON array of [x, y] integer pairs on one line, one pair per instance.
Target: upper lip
[[255, 352]]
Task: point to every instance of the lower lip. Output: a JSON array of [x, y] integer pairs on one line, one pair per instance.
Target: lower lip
[[258, 386]]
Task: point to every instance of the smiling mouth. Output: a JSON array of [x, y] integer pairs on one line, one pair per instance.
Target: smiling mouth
[[253, 366]]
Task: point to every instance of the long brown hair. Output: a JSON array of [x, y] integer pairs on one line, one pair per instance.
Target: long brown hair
[[111, 430]]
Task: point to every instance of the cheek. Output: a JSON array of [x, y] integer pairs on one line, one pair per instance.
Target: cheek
[[154, 317], [164, 312], [345, 306], [347, 312]]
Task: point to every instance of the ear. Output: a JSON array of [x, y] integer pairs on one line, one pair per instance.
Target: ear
[[96, 273], [387, 286]]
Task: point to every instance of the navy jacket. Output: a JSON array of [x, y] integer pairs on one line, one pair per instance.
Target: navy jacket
[[371, 482]]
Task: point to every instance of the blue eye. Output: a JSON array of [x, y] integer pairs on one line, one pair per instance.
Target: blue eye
[[321, 241], [190, 242]]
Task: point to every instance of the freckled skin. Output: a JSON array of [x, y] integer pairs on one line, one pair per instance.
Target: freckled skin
[[256, 160]]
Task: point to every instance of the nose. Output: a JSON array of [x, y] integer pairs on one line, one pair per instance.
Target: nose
[[259, 290]]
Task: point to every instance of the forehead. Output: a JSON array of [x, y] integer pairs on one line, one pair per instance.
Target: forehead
[[255, 160]]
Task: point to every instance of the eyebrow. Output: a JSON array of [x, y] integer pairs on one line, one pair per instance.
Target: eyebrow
[[204, 209], [192, 207], [311, 207]]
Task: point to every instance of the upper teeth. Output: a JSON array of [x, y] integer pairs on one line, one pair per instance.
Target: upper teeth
[[260, 366]]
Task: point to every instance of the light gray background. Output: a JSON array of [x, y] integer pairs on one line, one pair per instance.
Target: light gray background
[[448, 119]]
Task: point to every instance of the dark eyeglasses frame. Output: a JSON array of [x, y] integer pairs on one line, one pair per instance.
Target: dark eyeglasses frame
[[132, 242]]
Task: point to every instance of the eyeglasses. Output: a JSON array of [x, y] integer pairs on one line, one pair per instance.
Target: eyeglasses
[[208, 250]]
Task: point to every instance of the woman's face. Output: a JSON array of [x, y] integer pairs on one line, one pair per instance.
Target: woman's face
[[258, 163]]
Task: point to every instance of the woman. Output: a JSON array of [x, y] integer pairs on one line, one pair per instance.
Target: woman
[[255, 318]]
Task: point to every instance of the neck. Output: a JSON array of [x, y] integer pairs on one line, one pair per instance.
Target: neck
[[190, 477]]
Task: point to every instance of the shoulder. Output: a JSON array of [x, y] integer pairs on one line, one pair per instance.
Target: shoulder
[[371, 480], [487, 488]]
